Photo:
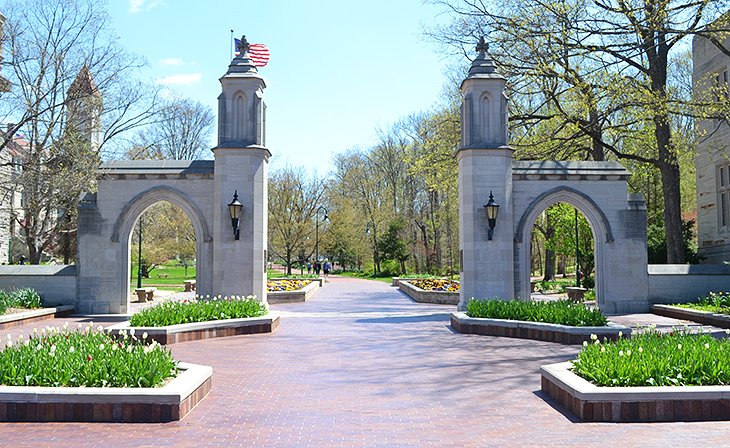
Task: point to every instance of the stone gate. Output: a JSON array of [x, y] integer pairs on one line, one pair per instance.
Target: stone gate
[[500, 267], [201, 188]]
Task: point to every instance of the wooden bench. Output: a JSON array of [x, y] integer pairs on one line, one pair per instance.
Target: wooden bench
[[163, 275], [145, 294], [189, 285]]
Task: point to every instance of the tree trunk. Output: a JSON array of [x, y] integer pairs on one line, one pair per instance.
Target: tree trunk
[[669, 171]]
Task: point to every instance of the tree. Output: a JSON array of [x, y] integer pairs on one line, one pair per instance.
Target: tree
[[293, 203], [181, 131], [50, 47], [598, 73], [392, 246]]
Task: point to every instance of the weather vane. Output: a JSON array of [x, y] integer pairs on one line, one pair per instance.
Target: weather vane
[[243, 45]]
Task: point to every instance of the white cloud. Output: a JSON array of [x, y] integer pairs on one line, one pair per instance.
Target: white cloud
[[171, 61], [136, 6], [180, 79]]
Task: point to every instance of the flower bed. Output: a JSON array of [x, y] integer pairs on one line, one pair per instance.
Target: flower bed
[[86, 357], [198, 310], [440, 292], [652, 377], [714, 309], [562, 312], [563, 322], [26, 317], [286, 291], [172, 322], [436, 284]]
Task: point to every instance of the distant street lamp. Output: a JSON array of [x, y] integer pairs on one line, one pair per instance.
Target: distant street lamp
[[577, 251], [316, 231], [370, 226]]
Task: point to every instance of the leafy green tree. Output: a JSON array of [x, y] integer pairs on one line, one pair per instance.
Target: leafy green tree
[[392, 246]]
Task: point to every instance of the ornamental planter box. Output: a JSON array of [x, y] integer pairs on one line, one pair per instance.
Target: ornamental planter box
[[540, 331], [425, 296], [32, 316], [204, 330], [108, 404], [593, 403], [699, 316], [300, 295]]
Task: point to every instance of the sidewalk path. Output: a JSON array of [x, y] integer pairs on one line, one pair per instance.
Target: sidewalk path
[[363, 366]]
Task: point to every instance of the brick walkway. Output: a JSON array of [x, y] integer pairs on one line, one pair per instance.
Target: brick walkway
[[363, 366]]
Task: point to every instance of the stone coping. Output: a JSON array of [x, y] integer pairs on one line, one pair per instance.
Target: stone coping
[[300, 295], [699, 316], [541, 331], [108, 404], [172, 334], [633, 404], [425, 296], [30, 316], [688, 269]]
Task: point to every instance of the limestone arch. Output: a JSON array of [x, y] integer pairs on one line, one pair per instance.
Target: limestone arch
[[597, 220], [133, 210]]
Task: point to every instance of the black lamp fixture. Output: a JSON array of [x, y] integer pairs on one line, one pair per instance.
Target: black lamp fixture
[[234, 209], [491, 209]]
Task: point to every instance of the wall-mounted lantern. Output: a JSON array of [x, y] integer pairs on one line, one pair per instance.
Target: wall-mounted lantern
[[235, 208], [491, 209]]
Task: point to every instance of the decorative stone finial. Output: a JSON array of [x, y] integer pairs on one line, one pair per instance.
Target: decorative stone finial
[[482, 47], [243, 46]]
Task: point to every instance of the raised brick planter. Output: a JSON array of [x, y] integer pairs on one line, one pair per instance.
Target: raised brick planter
[[205, 330], [561, 334], [32, 316], [108, 404], [424, 296], [701, 317], [300, 295], [593, 403]]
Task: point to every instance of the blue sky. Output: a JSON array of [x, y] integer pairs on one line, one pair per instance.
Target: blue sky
[[338, 69]]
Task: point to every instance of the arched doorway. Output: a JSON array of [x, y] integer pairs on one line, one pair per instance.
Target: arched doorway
[[597, 221], [126, 224]]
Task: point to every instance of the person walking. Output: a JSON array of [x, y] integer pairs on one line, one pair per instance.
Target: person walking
[[317, 267], [309, 267], [327, 268]]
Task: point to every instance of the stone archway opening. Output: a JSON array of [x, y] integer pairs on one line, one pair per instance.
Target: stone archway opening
[[562, 250], [165, 237]]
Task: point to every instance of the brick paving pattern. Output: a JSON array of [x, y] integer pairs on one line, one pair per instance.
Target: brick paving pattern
[[361, 365]]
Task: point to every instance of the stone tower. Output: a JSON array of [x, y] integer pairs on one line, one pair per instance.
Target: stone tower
[[485, 166], [241, 164], [84, 108]]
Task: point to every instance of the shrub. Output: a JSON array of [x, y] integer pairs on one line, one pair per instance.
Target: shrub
[[198, 310], [562, 312], [84, 358], [679, 358]]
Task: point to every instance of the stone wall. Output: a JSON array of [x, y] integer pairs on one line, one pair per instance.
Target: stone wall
[[57, 284], [674, 283]]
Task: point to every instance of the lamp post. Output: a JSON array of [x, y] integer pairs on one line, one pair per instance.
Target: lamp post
[[234, 209], [491, 208], [577, 251], [139, 255], [316, 231], [371, 225]]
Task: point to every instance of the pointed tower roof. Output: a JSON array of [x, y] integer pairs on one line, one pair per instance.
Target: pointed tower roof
[[483, 66], [84, 84]]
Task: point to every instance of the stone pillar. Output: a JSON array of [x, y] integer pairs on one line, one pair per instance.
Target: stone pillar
[[485, 165], [241, 163]]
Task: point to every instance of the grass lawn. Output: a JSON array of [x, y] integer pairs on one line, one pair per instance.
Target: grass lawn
[[166, 277], [353, 274]]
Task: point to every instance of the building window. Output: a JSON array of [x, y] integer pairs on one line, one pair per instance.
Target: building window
[[723, 192], [721, 85]]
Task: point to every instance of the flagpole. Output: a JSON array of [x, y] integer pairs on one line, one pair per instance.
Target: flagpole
[[231, 58]]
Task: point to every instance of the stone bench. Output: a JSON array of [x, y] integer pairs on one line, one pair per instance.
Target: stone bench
[[189, 285], [575, 294], [145, 294]]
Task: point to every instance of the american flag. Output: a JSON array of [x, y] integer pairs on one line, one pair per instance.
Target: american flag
[[259, 53]]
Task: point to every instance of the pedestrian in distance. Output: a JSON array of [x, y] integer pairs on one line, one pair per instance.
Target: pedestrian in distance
[[327, 268], [309, 267]]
